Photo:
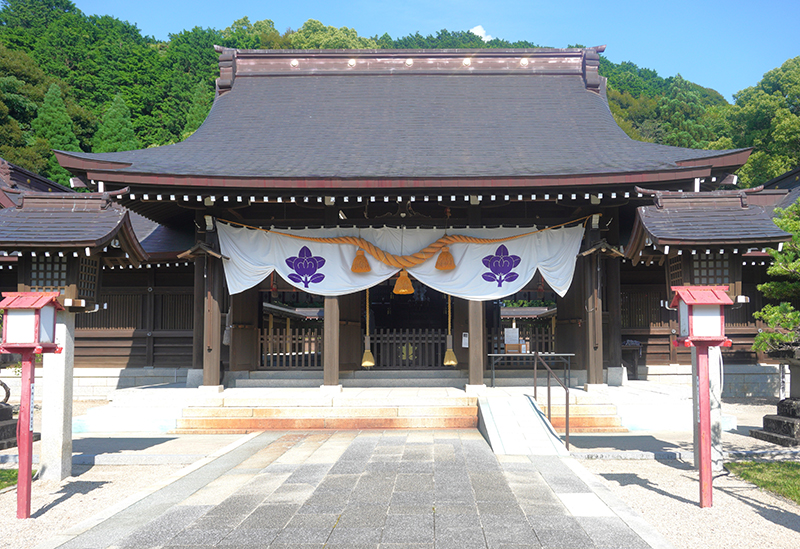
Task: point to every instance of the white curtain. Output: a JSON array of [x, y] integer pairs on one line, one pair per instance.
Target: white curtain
[[483, 272]]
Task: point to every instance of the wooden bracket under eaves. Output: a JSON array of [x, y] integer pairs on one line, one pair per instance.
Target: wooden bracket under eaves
[[602, 247], [201, 248]]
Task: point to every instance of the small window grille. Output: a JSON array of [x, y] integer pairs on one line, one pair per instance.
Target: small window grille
[[88, 278], [48, 274], [675, 267], [712, 269]]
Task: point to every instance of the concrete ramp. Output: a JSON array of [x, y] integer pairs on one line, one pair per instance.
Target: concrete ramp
[[515, 425]]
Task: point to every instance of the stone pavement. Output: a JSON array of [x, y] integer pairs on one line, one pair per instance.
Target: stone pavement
[[370, 489]]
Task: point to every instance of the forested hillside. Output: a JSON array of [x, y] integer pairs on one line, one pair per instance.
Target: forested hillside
[[73, 81]]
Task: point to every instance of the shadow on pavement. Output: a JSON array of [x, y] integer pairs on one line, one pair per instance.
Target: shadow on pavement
[[67, 491], [632, 479]]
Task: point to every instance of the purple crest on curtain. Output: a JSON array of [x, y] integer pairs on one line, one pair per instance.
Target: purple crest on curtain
[[305, 267], [501, 264]]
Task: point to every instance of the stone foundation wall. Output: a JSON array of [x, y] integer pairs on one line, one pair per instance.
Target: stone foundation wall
[[98, 383], [740, 380]]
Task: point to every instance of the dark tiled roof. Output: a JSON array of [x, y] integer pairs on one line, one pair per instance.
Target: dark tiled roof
[[63, 221], [709, 222], [406, 126], [19, 179], [158, 239]]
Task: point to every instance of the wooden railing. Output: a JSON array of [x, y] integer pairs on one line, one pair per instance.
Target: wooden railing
[[394, 349], [299, 348]]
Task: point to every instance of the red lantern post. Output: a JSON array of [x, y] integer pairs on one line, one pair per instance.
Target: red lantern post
[[702, 325], [29, 328]]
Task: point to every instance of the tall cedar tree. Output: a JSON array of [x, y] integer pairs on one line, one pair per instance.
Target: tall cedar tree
[[116, 131], [202, 98], [53, 124]]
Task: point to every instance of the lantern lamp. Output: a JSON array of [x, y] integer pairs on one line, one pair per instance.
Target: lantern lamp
[[29, 321]]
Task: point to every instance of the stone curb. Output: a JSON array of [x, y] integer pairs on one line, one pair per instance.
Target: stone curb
[[687, 456]]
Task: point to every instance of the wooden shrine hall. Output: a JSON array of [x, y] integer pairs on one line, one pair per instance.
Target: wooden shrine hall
[[323, 180]]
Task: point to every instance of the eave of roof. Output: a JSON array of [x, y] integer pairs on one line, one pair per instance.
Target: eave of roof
[[385, 123], [703, 219], [68, 222]]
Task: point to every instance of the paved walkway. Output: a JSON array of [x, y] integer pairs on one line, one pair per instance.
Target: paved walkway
[[354, 489]]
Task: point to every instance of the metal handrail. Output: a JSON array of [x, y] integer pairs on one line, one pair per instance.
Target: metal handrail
[[552, 374]]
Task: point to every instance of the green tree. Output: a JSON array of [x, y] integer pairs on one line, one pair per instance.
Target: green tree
[[188, 58], [783, 319], [54, 126], [767, 117], [681, 112], [116, 131], [23, 21], [314, 35], [259, 35], [202, 98]]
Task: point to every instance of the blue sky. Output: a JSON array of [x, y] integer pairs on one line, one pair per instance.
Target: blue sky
[[725, 45]]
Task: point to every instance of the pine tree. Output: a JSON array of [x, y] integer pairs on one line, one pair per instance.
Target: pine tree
[[202, 98], [53, 125], [116, 132]]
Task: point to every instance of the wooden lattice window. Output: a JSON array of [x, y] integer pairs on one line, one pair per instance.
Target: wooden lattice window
[[88, 278], [675, 270], [711, 269], [48, 274]]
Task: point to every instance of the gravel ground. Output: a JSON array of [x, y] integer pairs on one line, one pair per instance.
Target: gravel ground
[[665, 493], [57, 506]]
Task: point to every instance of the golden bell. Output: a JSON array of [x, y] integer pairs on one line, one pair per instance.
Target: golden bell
[[403, 285], [449, 355], [445, 261], [360, 263], [368, 360]]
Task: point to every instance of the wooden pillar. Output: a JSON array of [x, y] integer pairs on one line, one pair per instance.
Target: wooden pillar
[[594, 320], [288, 336], [212, 340], [330, 349], [245, 308], [199, 308], [477, 342], [614, 307], [150, 317]]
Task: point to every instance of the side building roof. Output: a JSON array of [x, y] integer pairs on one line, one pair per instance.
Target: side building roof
[[70, 222], [409, 119], [703, 219]]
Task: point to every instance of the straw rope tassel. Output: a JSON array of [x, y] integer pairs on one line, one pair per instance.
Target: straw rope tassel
[[367, 361], [360, 263], [449, 355]]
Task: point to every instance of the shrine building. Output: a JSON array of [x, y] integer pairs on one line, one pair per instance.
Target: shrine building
[[400, 202]]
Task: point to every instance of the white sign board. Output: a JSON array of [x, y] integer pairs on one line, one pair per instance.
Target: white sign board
[[511, 336]]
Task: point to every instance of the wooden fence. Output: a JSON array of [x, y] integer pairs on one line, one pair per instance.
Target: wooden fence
[[408, 349], [299, 348], [137, 328]]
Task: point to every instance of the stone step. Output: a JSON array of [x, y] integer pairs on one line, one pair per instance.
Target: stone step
[[244, 425], [330, 412], [775, 438], [255, 401], [784, 426], [577, 423], [576, 410]]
